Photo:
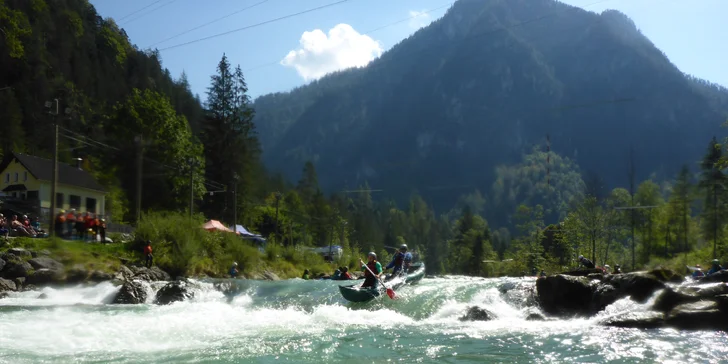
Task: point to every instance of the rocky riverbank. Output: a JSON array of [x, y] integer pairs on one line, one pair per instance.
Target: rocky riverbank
[[27, 270], [701, 304]]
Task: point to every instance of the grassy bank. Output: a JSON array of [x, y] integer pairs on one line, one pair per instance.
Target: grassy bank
[[182, 248], [103, 257]]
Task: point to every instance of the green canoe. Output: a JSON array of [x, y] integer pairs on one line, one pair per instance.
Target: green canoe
[[355, 293]]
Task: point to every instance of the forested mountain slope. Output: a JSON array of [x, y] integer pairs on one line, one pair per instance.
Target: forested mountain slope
[[483, 85]]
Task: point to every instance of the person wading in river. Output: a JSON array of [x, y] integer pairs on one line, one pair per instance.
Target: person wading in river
[[370, 280], [148, 254]]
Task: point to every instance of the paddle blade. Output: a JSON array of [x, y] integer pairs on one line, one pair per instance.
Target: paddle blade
[[390, 293]]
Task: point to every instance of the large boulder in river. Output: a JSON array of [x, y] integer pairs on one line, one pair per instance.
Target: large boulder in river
[[640, 286], [270, 276], [77, 274], [7, 285], [174, 292], [152, 274], [475, 313], [99, 276], [45, 276], [637, 320], [131, 292], [564, 295], [701, 315]]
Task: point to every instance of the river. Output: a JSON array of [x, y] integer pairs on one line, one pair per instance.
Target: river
[[308, 322]]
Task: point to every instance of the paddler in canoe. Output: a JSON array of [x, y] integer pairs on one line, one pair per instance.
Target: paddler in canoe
[[400, 262], [374, 266]]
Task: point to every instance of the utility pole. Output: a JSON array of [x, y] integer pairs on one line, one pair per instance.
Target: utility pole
[[235, 202], [715, 212], [631, 193], [633, 208], [192, 184], [54, 176], [278, 199], [140, 165]]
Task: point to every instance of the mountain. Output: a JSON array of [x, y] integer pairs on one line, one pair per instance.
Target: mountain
[[481, 86]]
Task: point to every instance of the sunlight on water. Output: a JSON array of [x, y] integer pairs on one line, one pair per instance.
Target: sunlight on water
[[308, 321]]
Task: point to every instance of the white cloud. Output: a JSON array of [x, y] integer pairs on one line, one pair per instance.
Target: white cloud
[[419, 19], [320, 54]]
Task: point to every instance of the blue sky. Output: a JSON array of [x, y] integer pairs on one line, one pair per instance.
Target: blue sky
[[691, 32]]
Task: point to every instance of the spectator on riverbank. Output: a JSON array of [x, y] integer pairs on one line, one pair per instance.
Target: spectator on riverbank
[[586, 262], [148, 254]]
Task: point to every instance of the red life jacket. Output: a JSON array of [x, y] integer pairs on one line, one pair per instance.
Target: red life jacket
[[372, 267], [148, 249]]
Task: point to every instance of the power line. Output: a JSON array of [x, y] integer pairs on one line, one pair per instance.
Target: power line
[[255, 25], [96, 144], [210, 22], [379, 62], [148, 12], [137, 11], [367, 32]]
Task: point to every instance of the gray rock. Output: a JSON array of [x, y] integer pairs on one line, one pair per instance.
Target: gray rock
[[77, 274], [45, 276], [7, 285], [270, 276], [123, 274], [99, 276], [46, 263], [131, 292], [42, 296], [16, 268], [152, 274], [564, 295], [20, 252], [640, 286], [701, 315], [637, 320], [2, 264], [475, 313], [174, 292], [19, 282]]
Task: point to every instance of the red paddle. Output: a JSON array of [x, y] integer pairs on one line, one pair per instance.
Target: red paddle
[[390, 292]]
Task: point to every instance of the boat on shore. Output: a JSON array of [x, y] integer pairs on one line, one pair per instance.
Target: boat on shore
[[355, 293]]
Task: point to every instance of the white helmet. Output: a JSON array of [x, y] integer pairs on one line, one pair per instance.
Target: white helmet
[[372, 254]]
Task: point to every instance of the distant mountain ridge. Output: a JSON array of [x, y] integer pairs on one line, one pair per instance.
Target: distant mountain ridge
[[483, 84]]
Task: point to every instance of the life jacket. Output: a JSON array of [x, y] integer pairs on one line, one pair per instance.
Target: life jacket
[[148, 249], [61, 218], [372, 267], [70, 217], [398, 259]]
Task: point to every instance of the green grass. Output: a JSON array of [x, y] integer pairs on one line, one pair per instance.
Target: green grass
[[93, 256], [182, 248]]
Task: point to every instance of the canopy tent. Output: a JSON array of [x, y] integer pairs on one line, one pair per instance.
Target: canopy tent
[[214, 225], [240, 229]]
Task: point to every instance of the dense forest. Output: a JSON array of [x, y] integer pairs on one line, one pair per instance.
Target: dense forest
[[476, 187]]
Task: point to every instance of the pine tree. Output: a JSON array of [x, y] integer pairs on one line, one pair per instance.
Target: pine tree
[[231, 146], [712, 183]]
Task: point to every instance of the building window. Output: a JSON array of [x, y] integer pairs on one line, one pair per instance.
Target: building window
[[59, 200], [74, 202], [25, 176], [16, 176], [33, 195], [91, 205]]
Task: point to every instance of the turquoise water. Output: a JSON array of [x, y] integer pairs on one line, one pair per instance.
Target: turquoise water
[[307, 322]]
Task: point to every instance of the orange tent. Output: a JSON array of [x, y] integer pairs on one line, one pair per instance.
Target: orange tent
[[214, 225]]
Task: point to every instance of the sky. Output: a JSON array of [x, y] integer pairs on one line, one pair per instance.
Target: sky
[[279, 55]]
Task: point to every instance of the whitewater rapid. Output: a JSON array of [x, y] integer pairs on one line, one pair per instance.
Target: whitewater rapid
[[308, 321]]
